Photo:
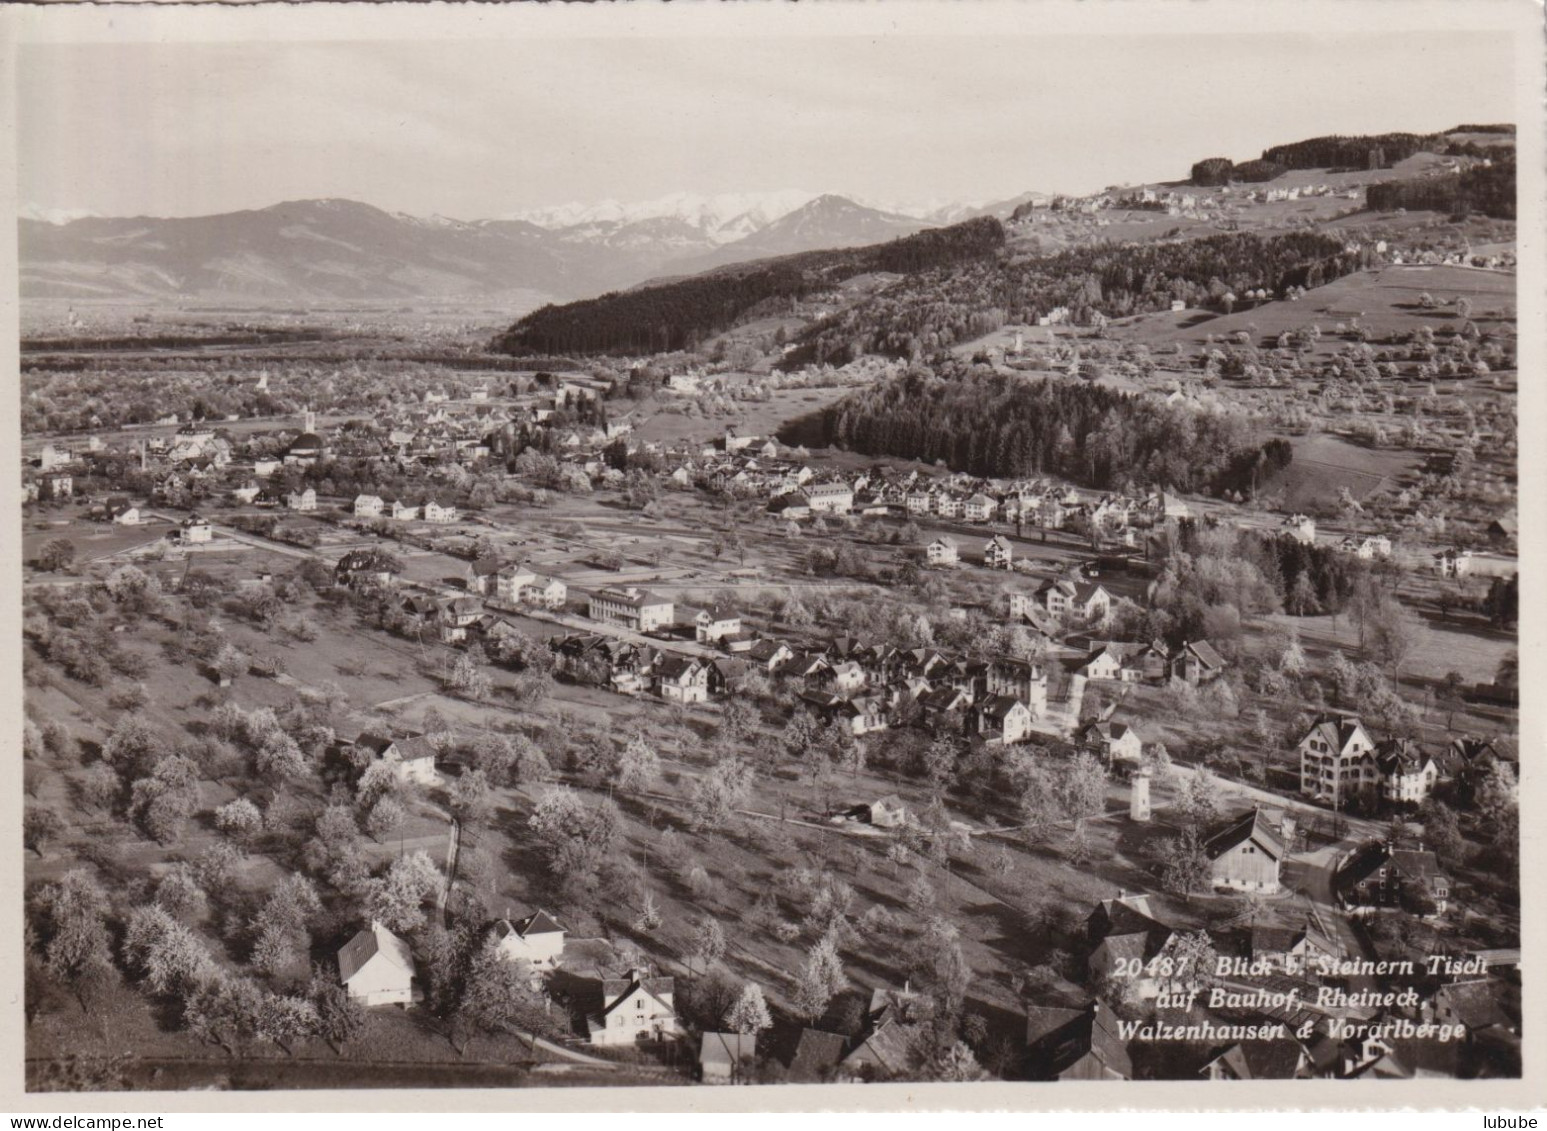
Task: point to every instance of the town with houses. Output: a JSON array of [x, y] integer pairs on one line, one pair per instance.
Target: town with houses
[[1072, 643]]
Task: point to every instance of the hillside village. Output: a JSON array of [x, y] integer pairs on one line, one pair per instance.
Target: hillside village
[[596, 724]]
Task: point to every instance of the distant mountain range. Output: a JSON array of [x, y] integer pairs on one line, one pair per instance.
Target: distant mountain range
[[343, 251]]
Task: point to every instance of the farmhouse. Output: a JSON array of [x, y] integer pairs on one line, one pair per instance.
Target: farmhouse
[[1245, 855], [1196, 663], [434, 512], [363, 567], [632, 608], [402, 512], [377, 968], [635, 1008], [1337, 761], [997, 552], [412, 759], [537, 940], [123, 512]]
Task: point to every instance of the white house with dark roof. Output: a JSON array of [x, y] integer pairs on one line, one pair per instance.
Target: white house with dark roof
[[537, 940], [1337, 760], [942, 551], [377, 968], [412, 759], [997, 552], [635, 1008]]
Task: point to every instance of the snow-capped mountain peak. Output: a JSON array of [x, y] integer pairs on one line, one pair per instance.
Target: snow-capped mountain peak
[[722, 218]]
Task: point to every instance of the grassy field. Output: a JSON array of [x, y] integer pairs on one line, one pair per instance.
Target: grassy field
[[1323, 465]]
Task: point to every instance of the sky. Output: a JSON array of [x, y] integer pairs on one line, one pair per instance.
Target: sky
[[477, 129]]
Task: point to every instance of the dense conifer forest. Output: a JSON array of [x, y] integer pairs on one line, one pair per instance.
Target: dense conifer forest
[[680, 314], [1489, 190], [992, 425]]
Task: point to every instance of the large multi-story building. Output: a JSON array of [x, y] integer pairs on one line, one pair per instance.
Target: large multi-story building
[[1337, 761], [633, 608]]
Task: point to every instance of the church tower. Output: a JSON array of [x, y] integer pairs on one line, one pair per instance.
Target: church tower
[[308, 420]]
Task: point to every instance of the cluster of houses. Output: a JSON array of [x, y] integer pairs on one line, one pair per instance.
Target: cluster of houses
[[1344, 764], [1279, 1004]]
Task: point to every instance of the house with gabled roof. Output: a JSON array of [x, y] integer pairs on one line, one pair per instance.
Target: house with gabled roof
[[1337, 760], [997, 552], [536, 939], [682, 679], [979, 508], [1294, 951], [1245, 855], [377, 968], [942, 551], [1197, 662], [714, 624], [482, 574], [412, 759], [1379, 876], [1123, 934], [1117, 741], [635, 1008], [1004, 720], [884, 1054], [1076, 1044], [368, 506], [1407, 773]]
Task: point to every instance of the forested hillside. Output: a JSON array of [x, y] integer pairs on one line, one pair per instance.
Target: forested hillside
[[992, 425], [680, 314], [1489, 190], [934, 309], [1341, 151]]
